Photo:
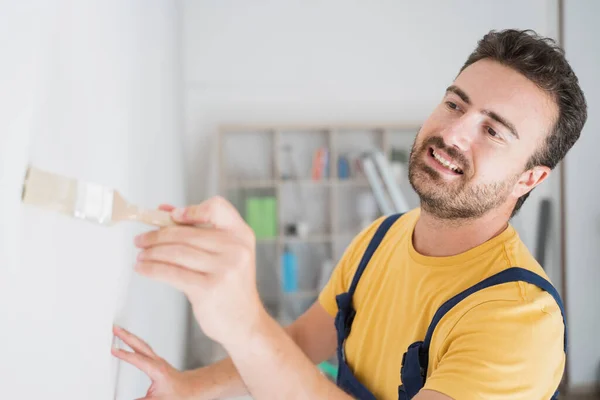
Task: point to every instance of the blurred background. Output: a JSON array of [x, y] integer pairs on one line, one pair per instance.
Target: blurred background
[[282, 107]]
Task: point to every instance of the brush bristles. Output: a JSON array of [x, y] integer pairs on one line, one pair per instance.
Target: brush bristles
[[49, 191], [23, 189], [58, 193]]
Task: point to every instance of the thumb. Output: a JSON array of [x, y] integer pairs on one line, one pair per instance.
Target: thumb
[[166, 207], [155, 398], [150, 394], [215, 211]]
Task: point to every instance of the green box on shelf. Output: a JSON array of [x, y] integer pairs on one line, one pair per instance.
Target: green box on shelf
[[253, 214], [261, 216], [269, 208]]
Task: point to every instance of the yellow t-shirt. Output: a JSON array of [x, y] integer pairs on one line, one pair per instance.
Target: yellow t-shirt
[[504, 342]]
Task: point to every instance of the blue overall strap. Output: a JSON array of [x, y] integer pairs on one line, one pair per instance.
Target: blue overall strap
[[373, 245], [344, 300], [346, 380], [513, 274]]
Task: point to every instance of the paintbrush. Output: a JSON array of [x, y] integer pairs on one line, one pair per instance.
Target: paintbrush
[[84, 200]]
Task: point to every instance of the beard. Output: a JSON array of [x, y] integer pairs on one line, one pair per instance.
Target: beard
[[458, 199]]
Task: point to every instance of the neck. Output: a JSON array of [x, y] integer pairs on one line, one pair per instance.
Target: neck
[[437, 237]]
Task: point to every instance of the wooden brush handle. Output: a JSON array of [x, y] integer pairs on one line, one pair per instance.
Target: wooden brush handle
[[155, 217], [124, 211], [159, 218]]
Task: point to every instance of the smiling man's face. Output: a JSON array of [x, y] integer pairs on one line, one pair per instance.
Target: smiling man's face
[[470, 155]]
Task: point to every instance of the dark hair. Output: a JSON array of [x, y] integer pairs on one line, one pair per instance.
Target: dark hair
[[543, 62]]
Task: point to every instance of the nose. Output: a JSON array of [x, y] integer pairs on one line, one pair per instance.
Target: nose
[[460, 133]]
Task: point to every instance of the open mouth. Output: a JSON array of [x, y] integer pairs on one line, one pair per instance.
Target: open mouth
[[444, 162]]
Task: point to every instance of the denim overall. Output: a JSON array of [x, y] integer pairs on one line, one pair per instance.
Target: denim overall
[[413, 370]]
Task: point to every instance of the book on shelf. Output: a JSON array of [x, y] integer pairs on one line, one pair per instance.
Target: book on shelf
[[320, 165]]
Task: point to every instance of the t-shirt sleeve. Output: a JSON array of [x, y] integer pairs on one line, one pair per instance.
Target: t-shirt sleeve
[[341, 277], [503, 349]]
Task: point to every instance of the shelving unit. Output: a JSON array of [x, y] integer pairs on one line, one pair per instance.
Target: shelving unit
[[268, 183], [275, 162]]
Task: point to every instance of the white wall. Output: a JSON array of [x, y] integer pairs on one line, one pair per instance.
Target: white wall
[[583, 190], [335, 61], [90, 90]]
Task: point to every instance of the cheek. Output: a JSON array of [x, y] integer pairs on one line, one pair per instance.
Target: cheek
[[493, 166], [418, 141], [437, 121]]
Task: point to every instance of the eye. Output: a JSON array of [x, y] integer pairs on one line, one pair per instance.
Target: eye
[[491, 132], [452, 106]]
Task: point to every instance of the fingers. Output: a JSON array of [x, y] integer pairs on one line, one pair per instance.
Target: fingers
[[207, 239], [133, 341], [181, 256], [215, 211], [182, 279], [140, 361]]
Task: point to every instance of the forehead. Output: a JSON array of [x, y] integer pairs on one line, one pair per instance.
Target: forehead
[[495, 87]]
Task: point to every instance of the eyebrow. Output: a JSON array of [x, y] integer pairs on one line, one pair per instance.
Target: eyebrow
[[493, 115], [460, 93], [502, 121]]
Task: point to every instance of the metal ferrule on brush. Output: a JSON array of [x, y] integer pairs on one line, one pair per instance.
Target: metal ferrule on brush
[[94, 203]]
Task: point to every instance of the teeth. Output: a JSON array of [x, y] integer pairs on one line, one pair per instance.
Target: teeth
[[445, 162]]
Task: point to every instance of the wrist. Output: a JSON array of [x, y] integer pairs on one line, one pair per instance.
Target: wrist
[[251, 329], [216, 381], [202, 383]]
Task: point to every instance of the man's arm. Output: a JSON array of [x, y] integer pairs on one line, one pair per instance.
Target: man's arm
[[215, 268], [274, 367], [313, 332], [431, 395]]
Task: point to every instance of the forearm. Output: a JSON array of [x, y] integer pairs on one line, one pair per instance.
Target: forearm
[[217, 381], [274, 367], [221, 379]]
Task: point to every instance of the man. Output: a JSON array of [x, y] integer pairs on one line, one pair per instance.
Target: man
[[505, 122]]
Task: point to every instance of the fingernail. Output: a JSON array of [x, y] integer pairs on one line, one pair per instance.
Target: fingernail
[[141, 255], [138, 239], [178, 212]]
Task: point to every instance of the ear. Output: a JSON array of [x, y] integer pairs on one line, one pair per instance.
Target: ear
[[530, 179]]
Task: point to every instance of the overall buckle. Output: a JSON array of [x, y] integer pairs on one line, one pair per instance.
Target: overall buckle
[[414, 369]]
